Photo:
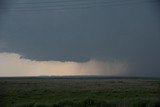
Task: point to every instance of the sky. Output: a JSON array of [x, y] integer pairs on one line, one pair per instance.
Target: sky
[[88, 37]]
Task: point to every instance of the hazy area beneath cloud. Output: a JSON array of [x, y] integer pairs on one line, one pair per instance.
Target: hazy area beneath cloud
[[12, 64]]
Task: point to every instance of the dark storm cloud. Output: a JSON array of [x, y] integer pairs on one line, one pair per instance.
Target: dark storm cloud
[[2, 4], [156, 6], [157, 2], [125, 32]]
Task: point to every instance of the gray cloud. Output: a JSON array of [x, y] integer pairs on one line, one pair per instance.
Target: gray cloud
[[125, 32]]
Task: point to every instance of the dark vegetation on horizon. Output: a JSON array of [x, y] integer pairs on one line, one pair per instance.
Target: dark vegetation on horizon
[[79, 92], [80, 77]]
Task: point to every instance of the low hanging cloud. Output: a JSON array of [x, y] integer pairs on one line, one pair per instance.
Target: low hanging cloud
[[12, 64]]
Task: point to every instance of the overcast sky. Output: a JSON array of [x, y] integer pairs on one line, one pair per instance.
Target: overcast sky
[[123, 31]]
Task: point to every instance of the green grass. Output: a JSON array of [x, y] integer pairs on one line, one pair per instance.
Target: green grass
[[79, 93]]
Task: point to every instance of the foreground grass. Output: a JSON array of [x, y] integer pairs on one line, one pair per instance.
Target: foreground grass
[[79, 93]]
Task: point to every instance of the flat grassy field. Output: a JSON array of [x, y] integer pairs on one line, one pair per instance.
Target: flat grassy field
[[79, 92]]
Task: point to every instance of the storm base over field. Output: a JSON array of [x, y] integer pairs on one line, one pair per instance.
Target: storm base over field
[[88, 37], [14, 65]]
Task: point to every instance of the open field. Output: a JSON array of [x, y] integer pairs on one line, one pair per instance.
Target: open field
[[79, 92]]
